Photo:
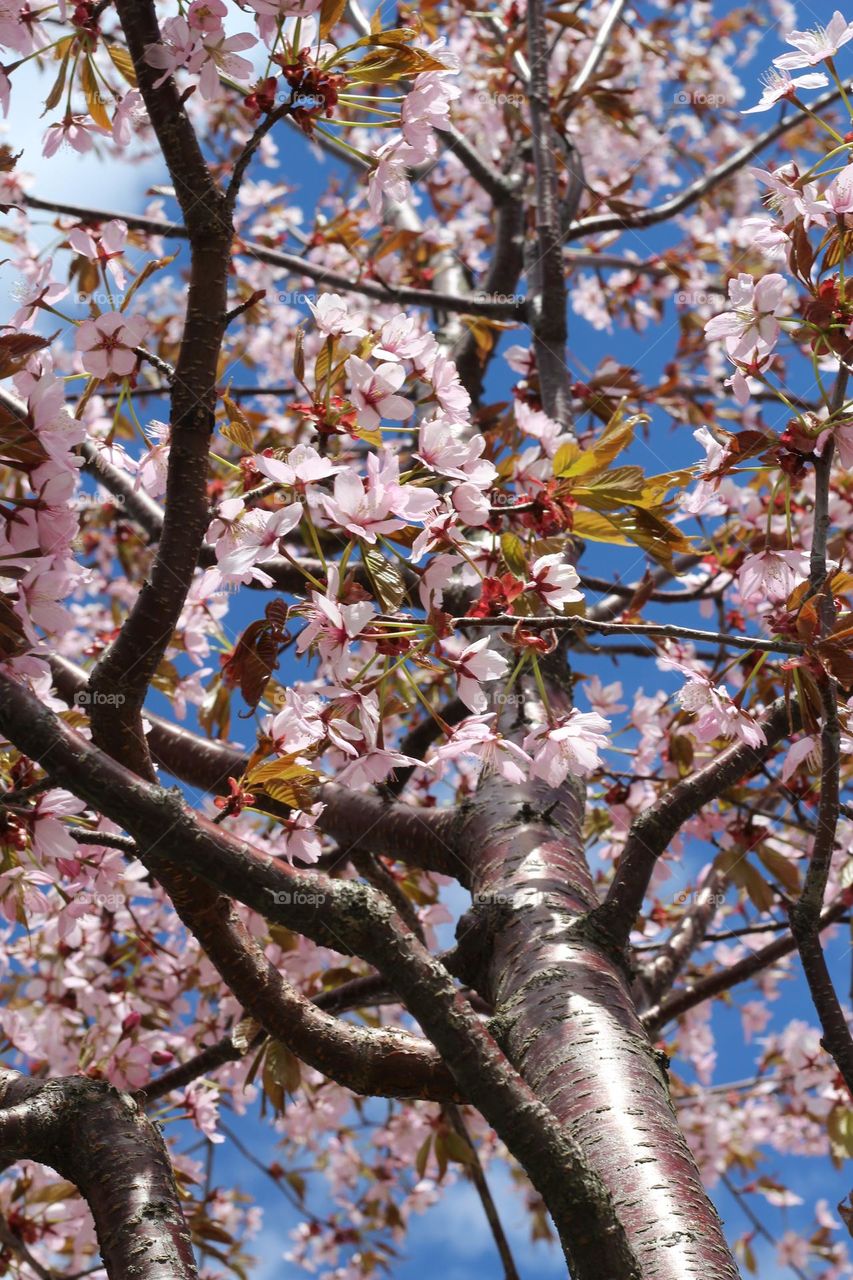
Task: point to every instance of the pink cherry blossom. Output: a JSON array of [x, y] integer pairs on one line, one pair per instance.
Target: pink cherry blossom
[[364, 511], [129, 116], [402, 339], [839, 193], [816, 45], [442, 450], [221, 57], [51, 835], [332, 316], [476, 665], [372, 765], [476, 737], [435, 577], [76, 131], [152, 471], [129, 1067], [302, 466], [253, 538], [807, 749], [426, 108], [449, 391], [752, 327], [201, 1101], [717, 716], [106, 344], [298, 725], [179, 46], [333, 627], [789, 198], [568, 747], [103, 247], [41, 290], [472, 504], [554, 580], [604, 698], [301, 839], [373, 392], [779, 84], [206, 15], [772, 575], [389, 180]]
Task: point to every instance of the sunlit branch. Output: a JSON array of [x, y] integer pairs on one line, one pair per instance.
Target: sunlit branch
[[599, 223], [664, 631], [805, 913], [653, 829], [480, 304], [658, 975], [678, 1002]]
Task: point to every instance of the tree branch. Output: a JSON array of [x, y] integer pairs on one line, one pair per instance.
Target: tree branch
[[355, 819], [653, 829], [546, 275], [121, 677], [805, 914], [478, 305], [558, 622], [715, 984], [659, 974], [600, 223], [355, 915], [475, 1170], [101, 1140]]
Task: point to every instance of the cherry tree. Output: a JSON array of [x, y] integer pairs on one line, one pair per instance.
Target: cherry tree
[[381, 717]]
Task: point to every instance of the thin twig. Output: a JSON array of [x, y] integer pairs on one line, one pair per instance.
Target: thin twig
[[478, 1177], [663, 630]]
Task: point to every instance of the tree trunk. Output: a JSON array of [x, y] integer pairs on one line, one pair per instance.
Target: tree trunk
[[565, 1017]]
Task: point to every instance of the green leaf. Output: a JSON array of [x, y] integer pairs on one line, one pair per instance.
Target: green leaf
[[123, 63], [385, 577], [93, 96], [422, 1157], [512, 550], [286, 781], [331, 12], [63, 50], [780, 868], [458, 1149], [238, 429]]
